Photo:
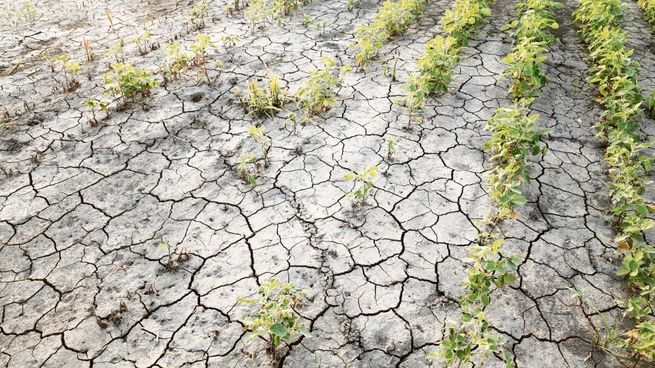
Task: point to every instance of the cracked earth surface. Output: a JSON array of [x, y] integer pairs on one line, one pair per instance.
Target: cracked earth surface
[[83, 209]]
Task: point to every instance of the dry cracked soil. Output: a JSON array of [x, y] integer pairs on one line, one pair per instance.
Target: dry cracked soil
[[83, 209]]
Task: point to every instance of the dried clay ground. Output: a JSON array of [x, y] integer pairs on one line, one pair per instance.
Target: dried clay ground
[[84, 208]]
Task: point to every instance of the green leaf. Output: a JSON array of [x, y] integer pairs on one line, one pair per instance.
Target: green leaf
[[278, 329]]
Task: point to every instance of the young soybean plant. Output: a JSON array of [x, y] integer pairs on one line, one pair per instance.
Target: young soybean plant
[[318, 93], [95, 104], [363, 184], [200, 47], [71, 68], [198, 13], [274, 316], [126, 82], [391, 149], [245, 171], [262, 140], [176, 60]]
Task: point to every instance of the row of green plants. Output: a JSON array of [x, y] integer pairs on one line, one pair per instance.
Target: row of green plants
[[648, 8], [435, 66], [514, 138], [393, 18], [615, 73], [262, 12]]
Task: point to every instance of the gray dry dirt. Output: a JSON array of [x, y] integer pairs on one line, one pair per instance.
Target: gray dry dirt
[[84, 208]]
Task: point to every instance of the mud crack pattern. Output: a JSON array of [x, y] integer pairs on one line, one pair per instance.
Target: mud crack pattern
[[83, 280]]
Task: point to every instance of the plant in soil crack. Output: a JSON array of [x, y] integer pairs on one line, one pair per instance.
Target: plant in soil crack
[[275, 316], [264, 100], [229, 40], [173, 264], [117, 51], [391, 148], [200, 47], [262, 140], [247, 168], [176, 60], [650, 105], [142, 41], [363, 184], [95, 104], [318, 93], [127, 82], [26, 11], [70, 67], [198, 13]]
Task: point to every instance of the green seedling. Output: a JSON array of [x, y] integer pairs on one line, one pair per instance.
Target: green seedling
[[262, 140], [142, 41], [96, 105], [363, 184], [117, 51], [394, 68], [127, 82], [320, 26], [319, 92], [26, 11], [391, 148], [70, 67], [260, 12], [352, 4], [176, 60], [234, 6], [274, 316], [246, 171], [307, 20], [229, 40], [199, 48], [198, 13]]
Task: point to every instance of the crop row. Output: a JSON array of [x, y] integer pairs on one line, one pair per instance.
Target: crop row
[[392, 19], [648, 8], [514, 137], [616, 76], [435, 66]]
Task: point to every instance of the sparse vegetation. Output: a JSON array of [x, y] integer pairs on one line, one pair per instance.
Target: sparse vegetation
[[274, 316], [202, 44], [363, 184], [95, 105], [176, 60], [392, 19], [391, 148], [262, 12], [199, 11], [262, 140], [70, 67], [266, 100], [318, 93], [247, 168], [127, 82]]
